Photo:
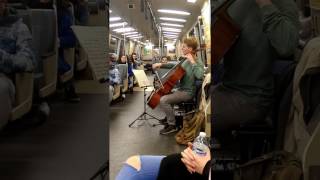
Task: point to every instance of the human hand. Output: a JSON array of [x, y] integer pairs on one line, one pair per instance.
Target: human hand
[[194, 162], [190, 58], [262, 3], [156, 65]]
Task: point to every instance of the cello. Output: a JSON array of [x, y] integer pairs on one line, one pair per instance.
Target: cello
[[169, 81], [224, 30]]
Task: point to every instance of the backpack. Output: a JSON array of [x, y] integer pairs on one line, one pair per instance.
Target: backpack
[[278, 165], [191, 128]]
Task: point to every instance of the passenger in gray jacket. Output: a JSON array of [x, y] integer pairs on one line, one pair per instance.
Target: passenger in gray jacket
[[16, 55]]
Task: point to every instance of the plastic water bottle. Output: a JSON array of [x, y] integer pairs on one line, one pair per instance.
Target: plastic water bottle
[[200, 144]]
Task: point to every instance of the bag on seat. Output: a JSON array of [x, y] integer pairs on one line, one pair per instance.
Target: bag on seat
[[278, 165]]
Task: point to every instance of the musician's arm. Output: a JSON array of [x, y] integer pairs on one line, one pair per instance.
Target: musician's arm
[[198, 70], [281, 24], [167, 65]]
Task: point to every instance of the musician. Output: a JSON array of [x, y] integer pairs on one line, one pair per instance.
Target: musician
[[269, 30], [194, 70]]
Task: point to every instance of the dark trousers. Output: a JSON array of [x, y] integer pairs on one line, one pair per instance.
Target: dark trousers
[[231, 108]]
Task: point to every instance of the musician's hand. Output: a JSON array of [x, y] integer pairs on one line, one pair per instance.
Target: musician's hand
[[156, 65], [194, 162], [262, 3], [190, 58]]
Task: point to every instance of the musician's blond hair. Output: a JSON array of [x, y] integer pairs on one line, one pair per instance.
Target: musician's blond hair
[[191, 42]]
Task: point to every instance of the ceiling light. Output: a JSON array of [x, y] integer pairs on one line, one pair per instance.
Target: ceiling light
[[171, 29], [191, 1], [172, 25], [171, 36], [112, 19], [172, 19], [173, 33], [110, 11], [128, 33], [118, 24], [122, 30], [135, 35], [173, 12]]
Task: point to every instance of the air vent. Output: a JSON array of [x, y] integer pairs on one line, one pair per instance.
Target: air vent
[[131, 6]]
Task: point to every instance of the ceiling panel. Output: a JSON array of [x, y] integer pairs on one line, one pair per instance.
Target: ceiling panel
[[136, 19]]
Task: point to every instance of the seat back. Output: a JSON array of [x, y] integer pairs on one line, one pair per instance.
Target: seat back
[[44, 34], [24, 94]]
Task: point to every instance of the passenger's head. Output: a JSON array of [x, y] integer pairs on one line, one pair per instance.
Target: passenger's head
[[134, 56], [63, 3], [189, 45], [164, 59], [123, 59], [112, 57], [3, 7]]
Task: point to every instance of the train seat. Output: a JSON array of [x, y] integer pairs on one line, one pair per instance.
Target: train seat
[[43, 23]]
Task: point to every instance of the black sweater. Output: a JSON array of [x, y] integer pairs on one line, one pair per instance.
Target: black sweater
[[172, 168]]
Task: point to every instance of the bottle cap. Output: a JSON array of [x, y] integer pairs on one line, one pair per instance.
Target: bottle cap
[[203, 134]]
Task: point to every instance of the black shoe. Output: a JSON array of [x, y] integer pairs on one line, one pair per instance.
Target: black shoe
[[163, 121], [168, 129], [71, 95]]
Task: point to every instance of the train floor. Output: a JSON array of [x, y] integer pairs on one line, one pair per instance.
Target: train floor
[[138, 140], [70, 145]]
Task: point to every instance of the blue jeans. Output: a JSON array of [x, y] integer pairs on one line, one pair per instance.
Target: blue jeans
[[150, 166]]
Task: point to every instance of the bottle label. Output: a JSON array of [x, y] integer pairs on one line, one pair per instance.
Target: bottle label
[[199, 149]]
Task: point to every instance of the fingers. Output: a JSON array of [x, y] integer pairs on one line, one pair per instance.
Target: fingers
[[190, 145], [187, 153], [190, 167]]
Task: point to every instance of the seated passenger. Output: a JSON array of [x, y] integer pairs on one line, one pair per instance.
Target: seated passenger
[[67, 39], [124, 60], [114, 74], [16, 55], [114, 77], [184, 166], [135, 61]]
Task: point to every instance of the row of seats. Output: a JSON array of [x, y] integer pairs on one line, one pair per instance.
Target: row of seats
[[43, 26]]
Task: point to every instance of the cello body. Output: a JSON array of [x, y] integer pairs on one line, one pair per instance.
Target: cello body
[[225, 32], [171, 79]]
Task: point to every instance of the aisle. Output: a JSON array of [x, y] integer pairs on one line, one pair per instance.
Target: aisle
[[125, 141]]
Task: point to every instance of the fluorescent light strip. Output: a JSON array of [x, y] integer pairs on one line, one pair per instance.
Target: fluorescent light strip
[[136, 35], [169, 11], [172, 19], [172, 25], [171, 29], [129, 33], [112, 19], [172, 33], [192, 1], [118, 24], [122, 30], [171, 36]]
